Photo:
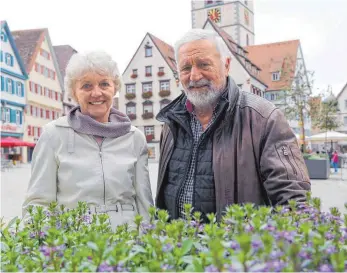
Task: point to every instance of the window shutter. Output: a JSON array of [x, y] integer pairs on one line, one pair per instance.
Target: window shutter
[[11, 60], [14, 88], [2, 83], [39, 131], [1, 59], [21, 117], [12, 116], [29, 130], [22, 85], [32, 130]]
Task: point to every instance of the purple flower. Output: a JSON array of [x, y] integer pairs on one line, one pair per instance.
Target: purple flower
[[86, 219], [166, 267], [256, 245], [270, 227], [329, 236], [276, 254], [234, 245], [104, 267], [304, 254], [326, 268], [179, 245], [167, 248], [193, 223], [120, 267], [249, 228], [330, 249], [32, 235], [211, 268], [45, 250], [229, 268], [275, 266], [42, 234]]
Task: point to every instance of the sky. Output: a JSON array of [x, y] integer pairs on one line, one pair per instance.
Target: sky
[[118, 27]]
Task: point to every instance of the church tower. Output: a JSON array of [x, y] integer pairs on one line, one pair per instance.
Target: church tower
[[235, 17]]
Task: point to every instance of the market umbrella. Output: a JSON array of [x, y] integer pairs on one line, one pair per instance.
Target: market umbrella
[[15, 142]]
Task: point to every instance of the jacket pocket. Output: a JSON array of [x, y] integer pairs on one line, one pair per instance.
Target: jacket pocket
[[291, 158]]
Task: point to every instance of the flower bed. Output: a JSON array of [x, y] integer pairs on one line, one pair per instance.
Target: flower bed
[[295, 238], [130, 96]]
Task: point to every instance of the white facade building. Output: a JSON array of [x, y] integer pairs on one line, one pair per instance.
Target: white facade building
[[342, 100], [149, 83], [234, 17]]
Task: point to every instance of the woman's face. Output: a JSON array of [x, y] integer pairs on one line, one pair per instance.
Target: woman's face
[[94, 94]]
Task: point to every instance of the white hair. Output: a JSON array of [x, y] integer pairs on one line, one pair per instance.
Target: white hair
[[96, 61], [203, 34]]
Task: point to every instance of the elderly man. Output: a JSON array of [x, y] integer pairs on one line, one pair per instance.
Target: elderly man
[[220, 145]]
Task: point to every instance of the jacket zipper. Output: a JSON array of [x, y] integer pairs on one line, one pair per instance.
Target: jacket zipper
[[102, 166], [286, 155]]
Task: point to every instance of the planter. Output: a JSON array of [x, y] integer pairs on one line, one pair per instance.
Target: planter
[[147, 115], [318, 168], [164, 93], [133, 76], [132, 116], [130, 96], [148, 74], [147, 95], [160, 73]]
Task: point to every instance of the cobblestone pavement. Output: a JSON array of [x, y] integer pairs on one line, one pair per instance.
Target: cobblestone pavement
[[14, 182]]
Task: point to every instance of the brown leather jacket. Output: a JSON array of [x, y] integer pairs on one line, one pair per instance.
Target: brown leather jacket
[[256, 157]]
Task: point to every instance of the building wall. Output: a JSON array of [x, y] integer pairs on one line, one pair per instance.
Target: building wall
[[139, 62], [13, 90], [37, 101], [342, 100], [237, 18]]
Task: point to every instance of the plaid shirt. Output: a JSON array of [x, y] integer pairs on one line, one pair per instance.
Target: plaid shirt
[[186, 194]]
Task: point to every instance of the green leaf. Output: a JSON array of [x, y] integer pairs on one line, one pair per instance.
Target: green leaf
[[11, 222], [187, 246], [4, 247], [93, 246]]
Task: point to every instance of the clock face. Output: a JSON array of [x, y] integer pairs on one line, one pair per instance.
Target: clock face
[[214, 15]]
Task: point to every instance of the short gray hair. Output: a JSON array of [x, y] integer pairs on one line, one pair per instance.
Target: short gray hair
[[95, 61], [203, 34]]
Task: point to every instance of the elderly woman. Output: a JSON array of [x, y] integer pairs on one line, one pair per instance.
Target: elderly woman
[[93, 154]]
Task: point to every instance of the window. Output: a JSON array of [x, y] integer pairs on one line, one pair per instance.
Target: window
[[37, 67], [131, 108], [44, 54], [247, 39], [46, 72], [9, 86], [345, 120], [148, 70], [8, 59], [48, 114], [134, 71], [130, 89], [276, 76], [3, 36], [146, 87], [246, 3], [148, 108], [19, 89], [149, 130], [164, 85], [32, 86], [148, 51], [3, 114], [7, 115], [161, 69], [212, 2], [346, 104], [272, 97], [164, 102], [17, 117]]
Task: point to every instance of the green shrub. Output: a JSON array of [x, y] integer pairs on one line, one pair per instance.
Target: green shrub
[[293, 238]]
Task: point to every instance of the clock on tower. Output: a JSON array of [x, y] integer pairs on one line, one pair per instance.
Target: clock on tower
[[214, 15]]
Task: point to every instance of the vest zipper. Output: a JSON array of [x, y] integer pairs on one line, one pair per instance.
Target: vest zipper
[[102, 166], [286, 155]]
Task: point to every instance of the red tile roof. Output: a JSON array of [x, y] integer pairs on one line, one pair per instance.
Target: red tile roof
[[28, 42], [274, 57], [238, 51], [63, 54], [166, 50]]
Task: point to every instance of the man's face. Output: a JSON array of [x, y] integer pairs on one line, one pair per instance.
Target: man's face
[[202, 72]]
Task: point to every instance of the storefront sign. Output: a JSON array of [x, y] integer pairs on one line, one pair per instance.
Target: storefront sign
[[10, 127]]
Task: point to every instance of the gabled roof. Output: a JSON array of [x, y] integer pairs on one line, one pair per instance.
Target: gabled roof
[[14, 48], [166, 51], [235, 49], [343, 89], [63, 54], [273, 57], [28, 42]]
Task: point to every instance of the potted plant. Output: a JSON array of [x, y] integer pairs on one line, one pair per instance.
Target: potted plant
[[164, 93], [147, 95], [132, 116], [161, 73], [149, 138], [148, 74], [133, 76], [147, 115], [130, 96]]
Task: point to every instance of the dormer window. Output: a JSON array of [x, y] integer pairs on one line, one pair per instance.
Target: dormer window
[[3, 36], [275, 76], [148, 51]]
